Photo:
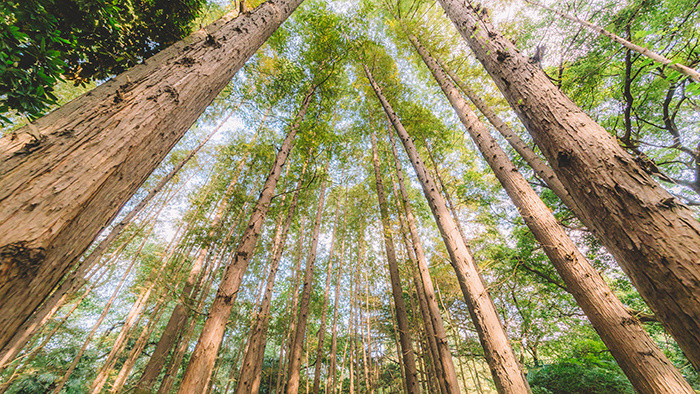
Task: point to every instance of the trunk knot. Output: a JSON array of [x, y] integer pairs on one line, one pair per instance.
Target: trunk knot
[[564, 158], [20, 260]]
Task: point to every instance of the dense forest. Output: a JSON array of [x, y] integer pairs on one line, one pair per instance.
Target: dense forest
[[369, 196]]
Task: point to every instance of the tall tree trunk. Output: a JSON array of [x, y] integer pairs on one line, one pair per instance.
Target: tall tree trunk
[[64, 177], [332, 379], [642, 361], [409, 361], [324, 308], [685, 70], [303, 315], [76, 279], [504, 367], [654, 238], [435, 327], [137, 350], [180, 314], [291, 308], [249, 378], [202, 362], [531, 158]]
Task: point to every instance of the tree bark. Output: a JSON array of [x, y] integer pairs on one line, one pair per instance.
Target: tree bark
[[504, 367], [409, 361], [303, 315], [249, 378], [654, 238], [180, 314], [64, 177], [434, 326], [332, 379], [645, 365], [202, 362], [324, 309]]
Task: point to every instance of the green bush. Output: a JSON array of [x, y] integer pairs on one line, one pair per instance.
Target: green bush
[[573, 378]]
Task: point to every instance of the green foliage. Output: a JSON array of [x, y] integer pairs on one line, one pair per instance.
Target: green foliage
[[572, 378], [45, 41]]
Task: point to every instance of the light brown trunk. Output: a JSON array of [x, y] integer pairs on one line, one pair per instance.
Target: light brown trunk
[[654, 238], [324, 309], [504, 367], [435, 328], [408, 358], [303, 315], [332, 379], [64, 177], [180, 313], [249, 378], [203, 358], [642, 361]]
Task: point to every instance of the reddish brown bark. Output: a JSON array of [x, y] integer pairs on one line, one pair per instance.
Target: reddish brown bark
[[303, 314], [64, 177], [202, 362], [505, 369], [408, 358], [655, 239], [642, 361]]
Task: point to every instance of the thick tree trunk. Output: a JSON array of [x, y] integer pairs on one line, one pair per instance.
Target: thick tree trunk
[[63, 178], [642, 361], [654, 238], [303, 315], [409, 361], [180, 313], [249, 378], [324, 308], [202, 362], [76, 279], [504, 367], [685, 70], [435, 327]]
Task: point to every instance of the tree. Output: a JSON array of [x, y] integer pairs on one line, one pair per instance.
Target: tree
[[636, 219], [68, 174]]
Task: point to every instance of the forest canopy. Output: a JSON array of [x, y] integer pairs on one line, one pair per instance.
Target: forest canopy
[[349, 196]]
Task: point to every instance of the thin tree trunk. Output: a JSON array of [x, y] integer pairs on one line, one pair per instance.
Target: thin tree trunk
[[365, 338], [435, 328], [179, 315], [332, 379], [303, 315], [65, 176], [505, 369], [533, 160], [409, 361], [324, 309], [685, 70], [201, 364], [636, 219], [645, 365], [249, 378], [137, 350]]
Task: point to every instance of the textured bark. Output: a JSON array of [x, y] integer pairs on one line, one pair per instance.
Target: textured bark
[[434, 326], [303, 315], [504, 367], [178, 317], [202, 362], [645, 365], [249, 378], [60, 188], [685, 70], [76, 279], [324, 308], [654, 238], [137, 350], [531, 158], [408, 358], [332, 379]]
